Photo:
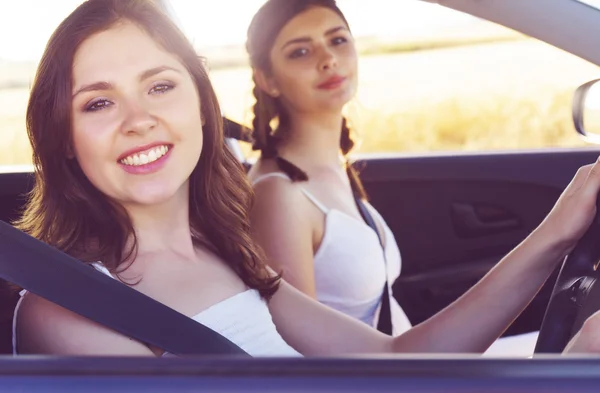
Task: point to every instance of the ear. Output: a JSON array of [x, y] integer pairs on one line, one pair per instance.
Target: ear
[[266, 83]]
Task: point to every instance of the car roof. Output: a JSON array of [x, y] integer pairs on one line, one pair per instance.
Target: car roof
[[571, 25]]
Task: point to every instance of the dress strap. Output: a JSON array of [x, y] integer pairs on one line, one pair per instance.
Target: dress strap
[[315, 201], [309, 195], [270, 175]]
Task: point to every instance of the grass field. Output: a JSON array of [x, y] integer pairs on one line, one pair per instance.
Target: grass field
[[501, 95]]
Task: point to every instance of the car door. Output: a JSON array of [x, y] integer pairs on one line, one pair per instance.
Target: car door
[[455, 216], [14, 186]]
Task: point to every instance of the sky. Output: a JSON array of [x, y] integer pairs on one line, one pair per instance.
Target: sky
[[28, 24]]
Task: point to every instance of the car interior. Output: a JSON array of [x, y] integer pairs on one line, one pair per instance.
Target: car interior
[[473, 206]]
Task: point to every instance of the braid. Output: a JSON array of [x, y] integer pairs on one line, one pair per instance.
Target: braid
[[264, 28], [294, 173], [346, 144], [266, 109], [263, 139]]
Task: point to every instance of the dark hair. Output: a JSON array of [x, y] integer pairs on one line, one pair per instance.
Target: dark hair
[[262, 33], [66, 211]]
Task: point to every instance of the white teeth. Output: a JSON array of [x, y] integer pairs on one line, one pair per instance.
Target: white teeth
[[147, 157]]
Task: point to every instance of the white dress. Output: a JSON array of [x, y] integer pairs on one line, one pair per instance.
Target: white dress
[[350, 266], [244, 319]]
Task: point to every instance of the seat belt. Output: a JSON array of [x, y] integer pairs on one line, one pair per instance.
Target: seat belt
[[384, 324], [69, 283]]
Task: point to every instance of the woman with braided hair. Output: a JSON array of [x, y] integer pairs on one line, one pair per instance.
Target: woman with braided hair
[[306, 215], [309, 212]]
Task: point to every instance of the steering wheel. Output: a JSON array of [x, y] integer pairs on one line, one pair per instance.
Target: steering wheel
[[575, 296]]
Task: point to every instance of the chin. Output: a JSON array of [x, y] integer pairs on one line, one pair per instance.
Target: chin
[[333, 105], [157, 194], [336, 101], [153, 199]]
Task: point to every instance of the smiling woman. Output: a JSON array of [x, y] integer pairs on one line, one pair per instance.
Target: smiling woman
[[132, 170], [100, 108]]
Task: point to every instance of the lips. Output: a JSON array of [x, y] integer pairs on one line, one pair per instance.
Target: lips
[[332, 83], [144, 160], [156, 148]]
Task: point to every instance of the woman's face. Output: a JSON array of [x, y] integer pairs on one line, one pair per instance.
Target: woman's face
[[136, 118], [314, 62]]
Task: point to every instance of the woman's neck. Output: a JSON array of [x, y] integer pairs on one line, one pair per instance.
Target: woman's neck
[[313, 141], [164, 228]]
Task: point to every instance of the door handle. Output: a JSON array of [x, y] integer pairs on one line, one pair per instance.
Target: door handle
[[471, 220]]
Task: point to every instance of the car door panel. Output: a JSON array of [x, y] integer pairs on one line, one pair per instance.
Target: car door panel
[[13, 193], [13, 190], [455, 216]]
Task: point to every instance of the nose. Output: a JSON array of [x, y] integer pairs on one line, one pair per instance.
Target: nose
[[137, 119], [328, 60]]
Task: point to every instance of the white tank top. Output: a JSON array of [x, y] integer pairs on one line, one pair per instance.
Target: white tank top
[[350, 266], [244, 319]]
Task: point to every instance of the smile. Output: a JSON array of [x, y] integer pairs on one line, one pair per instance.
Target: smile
[[146, 157]]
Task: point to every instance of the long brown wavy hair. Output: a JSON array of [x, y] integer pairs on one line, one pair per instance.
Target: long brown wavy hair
[[262, 33], [66, 211]]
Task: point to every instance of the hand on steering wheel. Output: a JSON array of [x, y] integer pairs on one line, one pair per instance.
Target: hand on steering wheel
[[572, 321], [575, 209], [587, 340]]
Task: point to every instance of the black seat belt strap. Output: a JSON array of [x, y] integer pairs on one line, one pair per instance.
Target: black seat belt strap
[[67, 282]]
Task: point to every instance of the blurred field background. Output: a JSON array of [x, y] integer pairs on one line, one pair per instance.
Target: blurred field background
[[494, 90], [495, 95]]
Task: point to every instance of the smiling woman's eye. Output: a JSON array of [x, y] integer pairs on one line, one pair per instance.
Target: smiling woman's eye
[[300, 52], [161, 88], [97, 105]]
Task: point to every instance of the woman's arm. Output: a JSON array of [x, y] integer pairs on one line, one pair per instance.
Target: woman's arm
[[47, 329], [476, 319], [282, 226], [470, 324]]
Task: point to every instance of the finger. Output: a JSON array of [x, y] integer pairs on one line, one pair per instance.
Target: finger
[[579, 179], [587, 338], [572, 347], [592, 181]]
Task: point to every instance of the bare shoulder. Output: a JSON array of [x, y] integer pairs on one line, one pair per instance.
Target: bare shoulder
[[46, 328], [263, 167], [283, 224], [276, 191]]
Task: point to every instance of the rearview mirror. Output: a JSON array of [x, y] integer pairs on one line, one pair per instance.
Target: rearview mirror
[[586, 111]]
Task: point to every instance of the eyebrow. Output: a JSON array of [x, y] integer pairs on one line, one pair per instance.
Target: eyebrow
[[107, 86], [308, 39]]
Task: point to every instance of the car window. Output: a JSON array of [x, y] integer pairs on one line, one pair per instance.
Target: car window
[[431, 79]]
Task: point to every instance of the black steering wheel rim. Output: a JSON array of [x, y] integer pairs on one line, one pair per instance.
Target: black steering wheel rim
[[575, 296]]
